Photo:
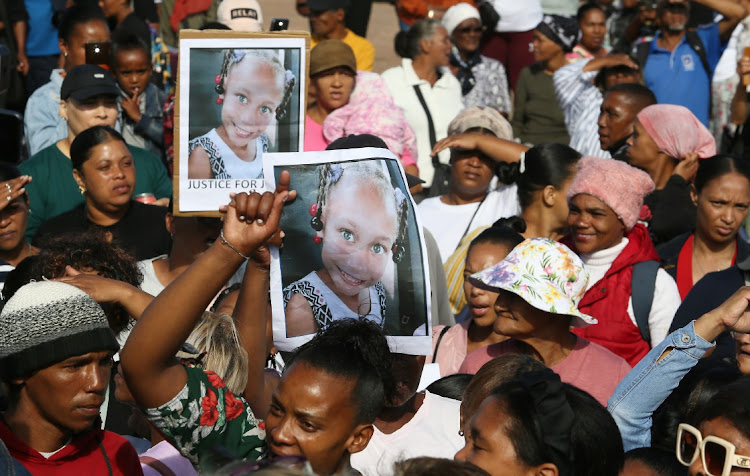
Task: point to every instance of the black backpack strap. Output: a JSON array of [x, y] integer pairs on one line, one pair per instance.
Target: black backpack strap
[[641, 53], [695, 42], [437, 344], [430, 123], [642, 293]]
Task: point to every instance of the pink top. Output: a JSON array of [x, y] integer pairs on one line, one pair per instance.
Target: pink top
[[589, 366], [452, 349], [314, 140]]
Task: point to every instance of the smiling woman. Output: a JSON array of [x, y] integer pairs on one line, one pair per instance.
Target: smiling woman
[[105, 173]]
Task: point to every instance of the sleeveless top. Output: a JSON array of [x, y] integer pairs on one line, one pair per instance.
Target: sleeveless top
[[224, 162], [328, 307]]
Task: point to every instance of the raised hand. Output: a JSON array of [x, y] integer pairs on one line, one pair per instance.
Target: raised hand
[[132, 107], [13, 189]]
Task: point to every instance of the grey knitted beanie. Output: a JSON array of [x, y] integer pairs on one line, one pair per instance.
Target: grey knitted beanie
[[47, 322]]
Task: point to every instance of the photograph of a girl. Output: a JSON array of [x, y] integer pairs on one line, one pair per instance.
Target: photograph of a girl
[[253, 90], [357, 251]]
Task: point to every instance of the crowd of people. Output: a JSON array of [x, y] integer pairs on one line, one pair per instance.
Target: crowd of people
[[581, 175]]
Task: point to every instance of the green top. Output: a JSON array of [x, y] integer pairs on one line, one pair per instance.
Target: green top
[[53, 189], [206, 415], [537, 116]]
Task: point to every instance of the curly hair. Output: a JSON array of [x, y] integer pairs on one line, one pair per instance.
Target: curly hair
[[86, 252]]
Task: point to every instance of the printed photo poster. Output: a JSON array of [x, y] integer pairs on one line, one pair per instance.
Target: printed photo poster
[[353, 249], [240, 96]]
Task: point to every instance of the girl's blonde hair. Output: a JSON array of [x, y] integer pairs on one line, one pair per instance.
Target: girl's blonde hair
[[216, 335]]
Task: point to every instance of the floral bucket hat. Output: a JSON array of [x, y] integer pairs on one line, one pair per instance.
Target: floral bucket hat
[[545, 273]]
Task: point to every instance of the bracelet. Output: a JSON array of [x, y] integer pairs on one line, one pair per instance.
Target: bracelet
[[224, 240]]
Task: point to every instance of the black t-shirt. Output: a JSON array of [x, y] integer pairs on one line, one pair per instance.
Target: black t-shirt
[[142, 232]]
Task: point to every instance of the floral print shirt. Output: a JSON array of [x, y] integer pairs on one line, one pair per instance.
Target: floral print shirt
[[491, 89], [205, 415]]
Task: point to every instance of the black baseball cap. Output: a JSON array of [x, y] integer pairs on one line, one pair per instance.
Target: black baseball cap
[[87, 81]]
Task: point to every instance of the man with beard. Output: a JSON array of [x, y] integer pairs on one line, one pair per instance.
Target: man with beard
[[678, 64], [620, 105]]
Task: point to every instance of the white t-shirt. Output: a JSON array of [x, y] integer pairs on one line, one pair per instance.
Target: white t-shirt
[[447, 223], [443, 99], [151, 283], [517, 15], [432, 432]]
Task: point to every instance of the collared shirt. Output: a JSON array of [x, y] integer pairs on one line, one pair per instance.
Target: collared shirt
[[580, 101], [443, 99], [678, 76], [651, 381]]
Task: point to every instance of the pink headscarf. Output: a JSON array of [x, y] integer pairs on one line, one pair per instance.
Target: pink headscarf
[[677, 131]]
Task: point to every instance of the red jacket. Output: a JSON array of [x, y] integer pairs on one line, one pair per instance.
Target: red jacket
[[84, 455], [608, 301]]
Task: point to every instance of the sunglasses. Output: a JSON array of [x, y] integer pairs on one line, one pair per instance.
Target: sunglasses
[[470, 29], [718, 455]]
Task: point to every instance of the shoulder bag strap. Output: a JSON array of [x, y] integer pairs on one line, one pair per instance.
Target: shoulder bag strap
[[643, 284], [430, 123]]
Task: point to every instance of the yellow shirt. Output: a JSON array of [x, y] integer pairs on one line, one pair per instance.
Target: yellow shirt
[[364, 52]]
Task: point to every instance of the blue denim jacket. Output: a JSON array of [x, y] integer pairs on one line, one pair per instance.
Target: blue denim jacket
[[151, 125], [651, 381], [41, 119]]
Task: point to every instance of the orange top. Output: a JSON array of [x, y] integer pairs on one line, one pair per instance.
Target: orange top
[[410, 11]]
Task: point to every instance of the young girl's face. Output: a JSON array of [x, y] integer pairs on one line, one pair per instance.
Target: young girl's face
[[253, 92], [360, 229]]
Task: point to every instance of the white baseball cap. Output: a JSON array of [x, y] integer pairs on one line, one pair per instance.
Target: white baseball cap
[[240, 15]]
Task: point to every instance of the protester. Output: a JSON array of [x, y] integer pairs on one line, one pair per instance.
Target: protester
[[141, 101], [721, 194], [537, 116], [667, 142], [14, 216], [88, 99], [56, 353], [650, 461], [43, 125], [452, 344], [619, 108], [592, 23], [483, 80], [579, 88], [347, 101], [105, 173], [552, 428], [240, 15], [605, 199], [473, 139], [121, 15], [328, 22], [422, 86], [540, 284]]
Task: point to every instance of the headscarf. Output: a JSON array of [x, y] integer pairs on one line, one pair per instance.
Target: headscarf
[[676, 131], [562, 30], [453, 17]]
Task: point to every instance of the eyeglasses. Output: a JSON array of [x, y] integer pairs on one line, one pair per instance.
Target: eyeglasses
[[470, 29], [718, 455]]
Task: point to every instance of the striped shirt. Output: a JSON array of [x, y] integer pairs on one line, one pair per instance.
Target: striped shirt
[[580, 101]]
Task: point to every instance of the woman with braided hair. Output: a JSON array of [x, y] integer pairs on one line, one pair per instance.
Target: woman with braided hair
[[253, 91], [359, 220]]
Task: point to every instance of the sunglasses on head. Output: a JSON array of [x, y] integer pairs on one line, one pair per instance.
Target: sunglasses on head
[[718, 454], [470, 29]]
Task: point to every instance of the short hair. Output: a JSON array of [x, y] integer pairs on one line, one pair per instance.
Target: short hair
[[128, 43], [80, 149], [78, 15], [427, 466], [639, 95], [356, 350], [592, 423], [87, 251], [407, 43], [216, 335], [450, 386], [491, 375], [664, 463]]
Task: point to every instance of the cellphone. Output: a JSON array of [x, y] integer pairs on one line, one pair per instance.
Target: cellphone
[[279, 24], [98, 53]]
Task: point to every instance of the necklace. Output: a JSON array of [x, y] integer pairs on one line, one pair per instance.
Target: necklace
[[702, 269]]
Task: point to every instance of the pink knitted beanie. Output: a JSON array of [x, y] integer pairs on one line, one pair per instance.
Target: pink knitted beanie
[[617, 184]]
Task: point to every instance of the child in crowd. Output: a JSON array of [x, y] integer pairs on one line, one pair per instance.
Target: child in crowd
[[360, 220], [253, 90], [141, 102]]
